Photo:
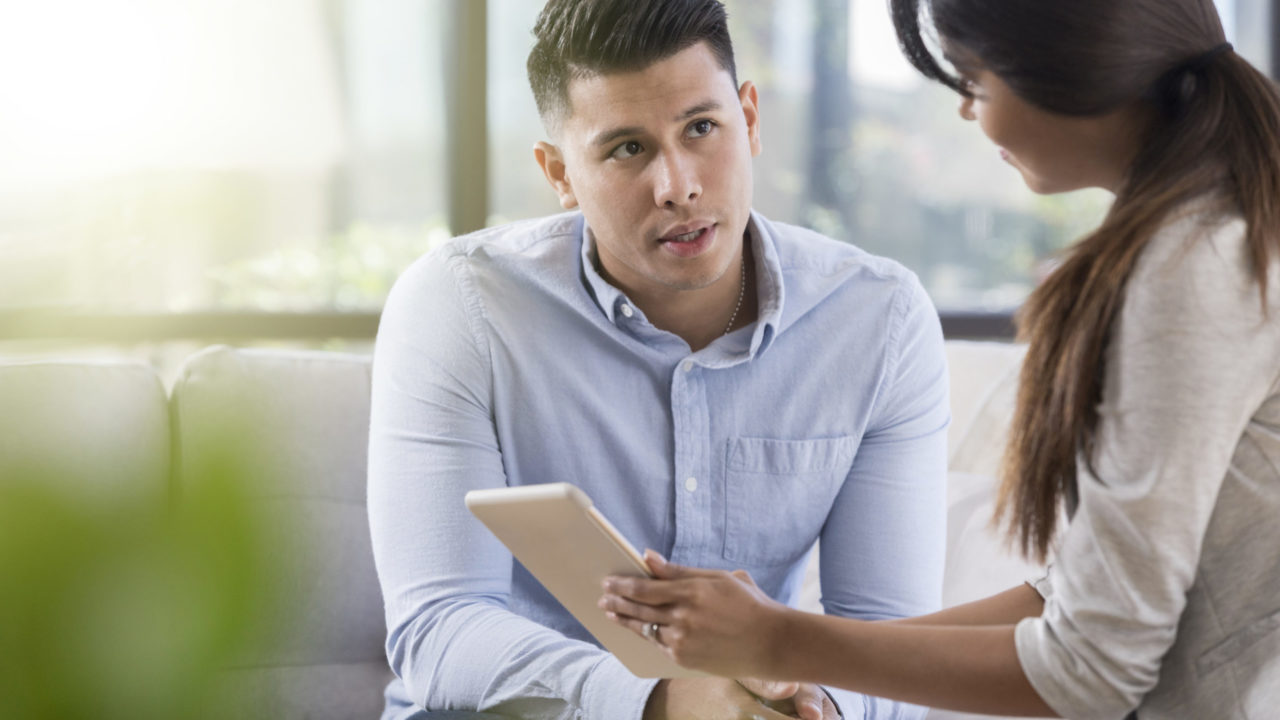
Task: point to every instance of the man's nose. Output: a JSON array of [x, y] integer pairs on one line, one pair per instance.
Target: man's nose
[[676, 182], [966, 108]]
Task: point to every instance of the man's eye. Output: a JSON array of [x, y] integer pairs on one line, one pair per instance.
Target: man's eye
[[700, 128], [628, 149]]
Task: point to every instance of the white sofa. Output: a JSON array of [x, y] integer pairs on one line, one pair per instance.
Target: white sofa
[[111, 429]]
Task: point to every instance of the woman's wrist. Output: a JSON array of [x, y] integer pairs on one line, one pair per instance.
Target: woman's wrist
[[782, 648]]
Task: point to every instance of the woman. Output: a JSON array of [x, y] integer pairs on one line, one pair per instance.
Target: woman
[[1149, 403]]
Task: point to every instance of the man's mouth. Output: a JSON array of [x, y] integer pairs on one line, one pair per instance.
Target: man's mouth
[[687, 237], [687, 233], [689, 241]]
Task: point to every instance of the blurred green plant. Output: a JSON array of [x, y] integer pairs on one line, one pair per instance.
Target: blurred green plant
[[351, 270], [128, 610]]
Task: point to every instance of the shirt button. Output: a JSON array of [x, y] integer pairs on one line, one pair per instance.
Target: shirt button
[[691, 484], [688, 366], [627, 311]]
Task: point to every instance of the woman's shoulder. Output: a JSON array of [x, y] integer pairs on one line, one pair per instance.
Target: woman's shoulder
[[1200, 230], [1200, 261]]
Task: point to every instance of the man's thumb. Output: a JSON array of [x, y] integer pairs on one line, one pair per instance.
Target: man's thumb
[[770, 689]]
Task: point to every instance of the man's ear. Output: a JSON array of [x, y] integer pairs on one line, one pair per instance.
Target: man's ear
[[751, 110], [551, 160]]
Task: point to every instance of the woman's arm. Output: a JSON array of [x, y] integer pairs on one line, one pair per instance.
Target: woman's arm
[[1005, 608], [722, 623], [965, 668]]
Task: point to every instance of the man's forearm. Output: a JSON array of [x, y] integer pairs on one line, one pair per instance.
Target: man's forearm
[[481, 656]]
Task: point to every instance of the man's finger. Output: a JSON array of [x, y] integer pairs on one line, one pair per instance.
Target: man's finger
[[811, 703], [769, 689]]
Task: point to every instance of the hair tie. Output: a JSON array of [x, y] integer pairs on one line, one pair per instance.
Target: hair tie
[[1198, 63], [1175, 88]]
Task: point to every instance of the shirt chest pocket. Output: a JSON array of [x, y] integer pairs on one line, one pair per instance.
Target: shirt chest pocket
[[778, 494]]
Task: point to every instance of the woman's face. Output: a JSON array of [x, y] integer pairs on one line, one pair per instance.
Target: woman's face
[[1055, 153]]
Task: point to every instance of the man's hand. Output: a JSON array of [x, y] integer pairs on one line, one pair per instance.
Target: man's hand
[[724, 699], [801, 700]]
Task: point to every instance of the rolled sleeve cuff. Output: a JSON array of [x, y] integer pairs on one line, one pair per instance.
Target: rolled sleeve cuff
[[611, 691], [1035, 642], [876, 708], [1043, 584], [850, 704], [1030, 640]]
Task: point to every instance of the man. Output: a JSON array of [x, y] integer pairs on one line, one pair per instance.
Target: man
[[727, 390]]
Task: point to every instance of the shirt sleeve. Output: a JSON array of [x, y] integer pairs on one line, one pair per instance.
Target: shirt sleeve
[[883, 546], [452, 638], [1190, 362]]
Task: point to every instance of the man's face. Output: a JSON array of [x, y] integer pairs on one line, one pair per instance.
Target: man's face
[[659, 161]]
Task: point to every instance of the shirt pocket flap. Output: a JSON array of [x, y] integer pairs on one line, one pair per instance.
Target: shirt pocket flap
[[790, 457]]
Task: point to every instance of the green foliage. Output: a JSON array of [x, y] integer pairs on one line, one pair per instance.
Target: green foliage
[[127, 610], [352, 270]]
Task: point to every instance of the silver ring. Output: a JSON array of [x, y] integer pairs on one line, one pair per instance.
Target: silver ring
[[650, 632]]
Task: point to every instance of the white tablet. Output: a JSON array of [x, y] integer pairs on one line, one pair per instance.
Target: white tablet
[[555, 532]]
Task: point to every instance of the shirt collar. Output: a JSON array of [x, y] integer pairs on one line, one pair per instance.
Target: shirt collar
[[609, 298], [771, 290], [770, 293]]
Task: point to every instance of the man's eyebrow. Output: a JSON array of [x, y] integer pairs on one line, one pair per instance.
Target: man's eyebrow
[[702, 107], [609, 136]]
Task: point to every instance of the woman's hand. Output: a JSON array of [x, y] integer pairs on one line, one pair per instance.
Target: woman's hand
[[710, 620]]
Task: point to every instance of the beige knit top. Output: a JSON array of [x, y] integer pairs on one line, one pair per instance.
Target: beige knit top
[[1165, 592]]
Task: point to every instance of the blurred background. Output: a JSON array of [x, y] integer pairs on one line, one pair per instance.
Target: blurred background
[[180, 172]]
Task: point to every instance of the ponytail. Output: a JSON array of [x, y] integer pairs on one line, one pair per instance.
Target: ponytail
[[1217, 134]]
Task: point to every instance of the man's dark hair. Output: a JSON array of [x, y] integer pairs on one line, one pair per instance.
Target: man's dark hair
[[582, 38]]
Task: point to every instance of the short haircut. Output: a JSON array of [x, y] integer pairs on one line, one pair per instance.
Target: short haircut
[[584, 38]]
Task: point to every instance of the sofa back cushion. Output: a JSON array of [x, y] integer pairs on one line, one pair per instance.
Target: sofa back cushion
[[984, 383], [99, 431], [298, 424]]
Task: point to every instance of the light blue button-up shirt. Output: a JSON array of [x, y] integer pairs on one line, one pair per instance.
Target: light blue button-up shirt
[[504, 358]]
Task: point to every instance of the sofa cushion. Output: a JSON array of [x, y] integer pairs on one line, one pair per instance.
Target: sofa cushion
[[98, 430], [984, 385], [298, 424]]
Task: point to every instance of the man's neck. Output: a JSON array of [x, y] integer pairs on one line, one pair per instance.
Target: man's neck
[[700, 316]]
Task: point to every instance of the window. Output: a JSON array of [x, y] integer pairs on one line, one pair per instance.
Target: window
[[292, 156], [217, 154]]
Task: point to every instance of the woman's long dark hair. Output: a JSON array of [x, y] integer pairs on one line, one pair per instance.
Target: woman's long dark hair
[[1215, 132]]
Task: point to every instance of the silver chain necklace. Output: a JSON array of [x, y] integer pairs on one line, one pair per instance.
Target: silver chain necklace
[[742, 291]]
